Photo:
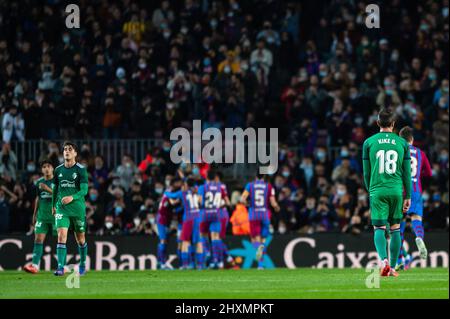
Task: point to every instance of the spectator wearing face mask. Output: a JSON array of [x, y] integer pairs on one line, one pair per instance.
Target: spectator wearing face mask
[[13, 126], [304, 217], [30, 171], [8, 161], [230, 65], [94, 211], [342, 202], [325, 219], [126, 171], [388, 95], [100, 172], [349, 153], [361, 214]]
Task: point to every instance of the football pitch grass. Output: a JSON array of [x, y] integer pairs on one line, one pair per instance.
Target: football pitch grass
[[229, 284]]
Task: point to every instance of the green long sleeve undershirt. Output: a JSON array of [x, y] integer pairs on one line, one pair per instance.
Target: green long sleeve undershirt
[[80, 194], [366, 173]]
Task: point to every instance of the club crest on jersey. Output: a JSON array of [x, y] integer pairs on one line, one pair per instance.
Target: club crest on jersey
[[60, 175]]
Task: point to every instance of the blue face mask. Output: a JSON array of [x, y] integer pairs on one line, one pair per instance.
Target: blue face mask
[[344, 153], [195, 171], [285, 174], [158, 191], [66, 39], [166, 148], [93, 197], [436, 198], [389, 92], [118, 210]]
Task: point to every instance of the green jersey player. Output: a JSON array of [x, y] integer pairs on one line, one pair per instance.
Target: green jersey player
[[43, 219], [69, 207], [387, 177]]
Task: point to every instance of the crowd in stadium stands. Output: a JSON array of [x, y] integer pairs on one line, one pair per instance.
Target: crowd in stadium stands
[[140, 68]]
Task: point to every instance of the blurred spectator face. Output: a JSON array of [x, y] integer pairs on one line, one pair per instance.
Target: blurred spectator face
[[321, 154], [136, 187], [126, 161], [279, 181], [310, 203], [344, 151], [93, 194], [444, 86], [159, 188], [353, 149], [314, 80], [337, 106], [362, 196], [443, 156], [416, 64], [320, 170], [260, 45], [98, 162], [341, 190], [53, 148], [345, 163], [285, 172]]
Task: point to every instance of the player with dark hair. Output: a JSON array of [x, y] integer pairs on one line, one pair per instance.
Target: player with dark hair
[[190, 229], [420, 167], [387, 171], [211, 195], [224, 218], [261, 194], [43, 219], [164, 217], [70, 188]]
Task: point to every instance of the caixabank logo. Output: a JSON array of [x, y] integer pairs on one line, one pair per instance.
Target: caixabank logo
[[246, 258]]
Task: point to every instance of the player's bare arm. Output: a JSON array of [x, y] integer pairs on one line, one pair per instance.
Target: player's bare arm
[[274, 204], [244, 197]]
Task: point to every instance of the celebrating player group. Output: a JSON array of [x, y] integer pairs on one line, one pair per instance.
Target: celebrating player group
[[392, 169]]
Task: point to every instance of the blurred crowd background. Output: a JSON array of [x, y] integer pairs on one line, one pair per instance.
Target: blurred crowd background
[[137, 69]]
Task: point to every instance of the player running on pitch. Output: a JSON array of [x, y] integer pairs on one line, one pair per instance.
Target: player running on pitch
[[70, 188], [261, 194], [420, 167], [387, 171], [43, 219]]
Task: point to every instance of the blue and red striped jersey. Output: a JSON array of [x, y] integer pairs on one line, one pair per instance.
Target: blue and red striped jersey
[[259, 198], [190, 203], [420, 167]]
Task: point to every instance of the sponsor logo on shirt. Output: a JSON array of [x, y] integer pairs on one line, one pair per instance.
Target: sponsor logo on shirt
[[66, 183]]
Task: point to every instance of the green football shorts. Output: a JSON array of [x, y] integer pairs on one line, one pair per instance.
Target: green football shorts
[[44, 226], [386, 209], [78, 222]]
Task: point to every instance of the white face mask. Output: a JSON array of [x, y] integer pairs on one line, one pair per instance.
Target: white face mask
[[109, 225], [136, 221], [341, 192]]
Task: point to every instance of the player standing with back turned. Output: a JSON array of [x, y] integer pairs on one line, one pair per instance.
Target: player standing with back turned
[[69, 207], [387, 172]]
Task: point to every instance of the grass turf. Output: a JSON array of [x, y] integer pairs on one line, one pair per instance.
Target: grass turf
[[277, 283]]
